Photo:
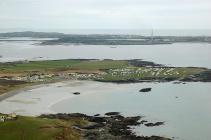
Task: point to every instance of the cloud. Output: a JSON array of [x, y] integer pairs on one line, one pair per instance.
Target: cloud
[[104, 14]]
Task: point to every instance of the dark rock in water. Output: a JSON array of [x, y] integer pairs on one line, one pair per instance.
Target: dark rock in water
[[177, 82], [76, 93], [96, 115], [145, 90], [112, 113], [143, 121], [131, 120], [154, 124]]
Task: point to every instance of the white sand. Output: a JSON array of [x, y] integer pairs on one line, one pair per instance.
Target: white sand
[[37, 100]]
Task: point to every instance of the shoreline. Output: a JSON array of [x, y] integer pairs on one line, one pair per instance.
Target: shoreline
[[39, 85], [47, 99], [154, 118], [17, 91], [14, 92]]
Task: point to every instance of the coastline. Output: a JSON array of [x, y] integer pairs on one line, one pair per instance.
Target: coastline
[[40, 102], [133, 92], [17, 91], [47, 100]]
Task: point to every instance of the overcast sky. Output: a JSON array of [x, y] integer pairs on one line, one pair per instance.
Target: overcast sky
[[105, 14]]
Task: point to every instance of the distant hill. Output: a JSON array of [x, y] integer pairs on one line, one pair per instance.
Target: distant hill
[[33, 34], [60, 35], [106, 39]]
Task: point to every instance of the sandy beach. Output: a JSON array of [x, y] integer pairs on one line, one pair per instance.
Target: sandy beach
[[163, 103], [36, 100], [14, 92]]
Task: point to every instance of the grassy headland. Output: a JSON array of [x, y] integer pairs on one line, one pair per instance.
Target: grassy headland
[[33, 128], [70, 127], [74, 126], [58, 65], [19, 74]]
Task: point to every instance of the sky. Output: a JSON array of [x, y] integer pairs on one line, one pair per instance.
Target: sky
[[105, 14]]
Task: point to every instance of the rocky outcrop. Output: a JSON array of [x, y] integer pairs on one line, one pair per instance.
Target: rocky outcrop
[[113, 126], [154, 124], [204, 76], [112, 113], [142, 63]]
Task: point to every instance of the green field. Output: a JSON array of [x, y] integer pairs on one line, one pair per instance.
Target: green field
[[62, 65], [114, 70], [31, 128]]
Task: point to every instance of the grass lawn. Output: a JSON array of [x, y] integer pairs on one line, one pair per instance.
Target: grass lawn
[[115, 69], [62, 65], [31, 128]]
